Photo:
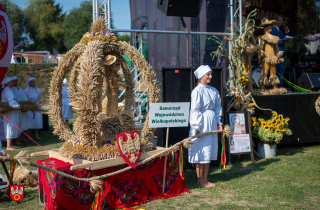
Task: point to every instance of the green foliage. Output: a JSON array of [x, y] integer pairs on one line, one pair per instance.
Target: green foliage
[[77, 23], [45, 19], [308, 17], [125, 37], [17, 20]]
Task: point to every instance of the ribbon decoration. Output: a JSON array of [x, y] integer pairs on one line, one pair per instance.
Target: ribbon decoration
[[181, 160], [97, 199], [295, 86], [12, 167], [223, 153]]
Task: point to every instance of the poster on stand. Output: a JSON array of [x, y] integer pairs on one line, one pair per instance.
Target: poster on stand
[[240, 143], [237, 123]]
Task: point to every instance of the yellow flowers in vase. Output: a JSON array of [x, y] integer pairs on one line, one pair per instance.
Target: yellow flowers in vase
[[272, 130]]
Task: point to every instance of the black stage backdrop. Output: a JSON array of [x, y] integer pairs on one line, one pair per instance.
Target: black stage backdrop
[[299, 107]]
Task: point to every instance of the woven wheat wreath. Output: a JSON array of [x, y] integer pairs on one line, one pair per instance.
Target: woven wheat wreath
[[93, 91], [317, 105]]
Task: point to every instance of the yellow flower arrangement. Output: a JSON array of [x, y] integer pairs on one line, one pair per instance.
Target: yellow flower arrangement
[[270, 131]]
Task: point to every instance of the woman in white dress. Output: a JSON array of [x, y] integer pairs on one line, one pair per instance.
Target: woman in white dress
[[33, 94], [24, 120], [10, 130], [205, 116], [66, 108]]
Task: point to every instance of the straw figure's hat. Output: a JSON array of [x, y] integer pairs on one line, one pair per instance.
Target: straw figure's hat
[[266, 22], [245, 3]]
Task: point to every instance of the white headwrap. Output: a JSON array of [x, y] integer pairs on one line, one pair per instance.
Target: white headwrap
[[5, 81], [29, 80], [65, 81], [202, 70], [14, 78]]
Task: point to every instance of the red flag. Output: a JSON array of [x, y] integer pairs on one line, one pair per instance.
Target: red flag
[[6, 43]]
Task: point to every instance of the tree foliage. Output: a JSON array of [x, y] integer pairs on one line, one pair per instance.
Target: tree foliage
[[76, 23], [45, 20], [17, 20], [308, 23]]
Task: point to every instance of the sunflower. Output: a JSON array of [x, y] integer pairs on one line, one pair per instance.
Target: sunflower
[[244, 67], [253, 121], [251, 104], [274, 122], [280, 117], [271, 127], [277, 130], [263, 124], [283, 130]]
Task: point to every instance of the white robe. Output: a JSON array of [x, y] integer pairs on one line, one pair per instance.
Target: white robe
[[10, 131], [205, 114], [24, 120], [66, 108], [33, 94]]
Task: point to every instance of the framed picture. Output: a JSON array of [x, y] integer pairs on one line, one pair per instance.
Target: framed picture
[[240, 142]]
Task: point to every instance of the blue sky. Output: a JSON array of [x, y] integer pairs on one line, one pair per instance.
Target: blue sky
[[120, 10]]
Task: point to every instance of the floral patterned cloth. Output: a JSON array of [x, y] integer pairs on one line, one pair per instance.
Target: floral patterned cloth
[[127, 189]]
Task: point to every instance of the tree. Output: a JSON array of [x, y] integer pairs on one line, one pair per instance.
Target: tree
[[308, 23], [17, 20], [125, 37], [77, 23], [45, 29]]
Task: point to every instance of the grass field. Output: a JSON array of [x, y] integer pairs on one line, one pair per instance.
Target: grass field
[[289, 181]]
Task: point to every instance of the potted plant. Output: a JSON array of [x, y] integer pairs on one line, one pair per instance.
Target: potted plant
[[270, 133]]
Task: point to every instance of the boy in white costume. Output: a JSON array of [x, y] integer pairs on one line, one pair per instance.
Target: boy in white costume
[[66, 108], [205, 116], [10, 130], [33, 94], [24, 121]]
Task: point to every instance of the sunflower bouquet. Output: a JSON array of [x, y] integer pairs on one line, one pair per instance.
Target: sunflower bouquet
[[272, 130]]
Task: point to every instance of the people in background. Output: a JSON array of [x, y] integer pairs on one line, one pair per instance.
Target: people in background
[[24, 120], [66, 108], [205, 116], [281, 43], [33, 94], [10, 119]]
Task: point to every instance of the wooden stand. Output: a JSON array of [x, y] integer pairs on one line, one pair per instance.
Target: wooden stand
[[165, 163], [94, 165]]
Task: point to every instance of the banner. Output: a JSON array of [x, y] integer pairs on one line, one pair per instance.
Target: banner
[[6, 43], [169, 115]]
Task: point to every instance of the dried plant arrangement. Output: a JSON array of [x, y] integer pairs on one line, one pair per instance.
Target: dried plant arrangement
[[94, 80]]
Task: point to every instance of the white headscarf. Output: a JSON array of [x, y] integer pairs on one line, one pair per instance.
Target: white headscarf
[[202, 70], [65, 81], [14, 78], [5, 81], [29, 80]]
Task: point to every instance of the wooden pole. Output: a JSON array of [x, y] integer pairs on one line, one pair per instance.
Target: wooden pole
[[165, 163]]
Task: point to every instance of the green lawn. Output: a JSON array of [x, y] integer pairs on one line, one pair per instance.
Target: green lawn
[[289, 181]]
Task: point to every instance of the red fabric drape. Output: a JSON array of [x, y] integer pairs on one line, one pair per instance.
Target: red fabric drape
[[127, 189]]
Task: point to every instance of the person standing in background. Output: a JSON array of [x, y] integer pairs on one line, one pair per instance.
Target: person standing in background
[[11, 118], [24, 121], [276, 31], [33, 94], [66, 108], [205, 114]]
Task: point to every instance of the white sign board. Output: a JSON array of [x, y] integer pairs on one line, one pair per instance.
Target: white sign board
[[239, 143], [169, 115]]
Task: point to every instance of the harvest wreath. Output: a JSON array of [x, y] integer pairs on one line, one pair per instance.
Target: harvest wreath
[[94, 82]]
